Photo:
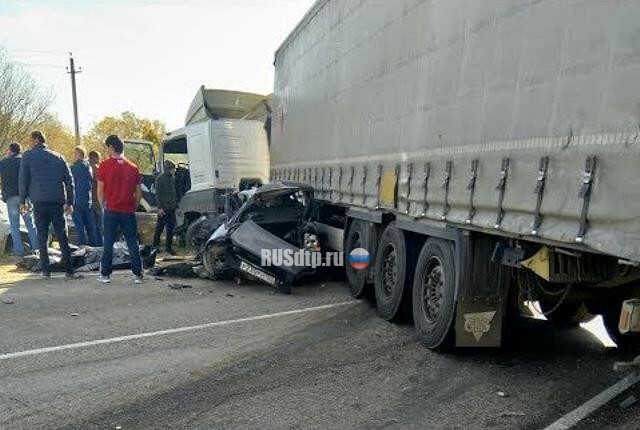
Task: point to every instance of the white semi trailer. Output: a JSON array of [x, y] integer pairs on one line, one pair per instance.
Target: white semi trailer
[[485, 153]]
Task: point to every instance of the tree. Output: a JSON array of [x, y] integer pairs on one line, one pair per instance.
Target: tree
[[22, 102], [128, 126]]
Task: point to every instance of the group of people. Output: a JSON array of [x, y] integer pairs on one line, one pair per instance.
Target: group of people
[[101, 197]]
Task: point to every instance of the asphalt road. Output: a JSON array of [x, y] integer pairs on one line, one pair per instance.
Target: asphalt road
[[265, 367]]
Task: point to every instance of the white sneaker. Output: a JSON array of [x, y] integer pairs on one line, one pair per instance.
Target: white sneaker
[[104, 279], [138, 280]]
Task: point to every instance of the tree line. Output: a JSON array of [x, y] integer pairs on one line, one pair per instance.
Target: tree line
[[24, 107]]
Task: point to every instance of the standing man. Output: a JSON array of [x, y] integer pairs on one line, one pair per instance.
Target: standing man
[[10, 177], [167, 204], [83, 216], [46, 181], [119, 189], [94, 160]]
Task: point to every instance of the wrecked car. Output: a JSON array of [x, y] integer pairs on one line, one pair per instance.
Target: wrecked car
[[276, 217], [200, 231]]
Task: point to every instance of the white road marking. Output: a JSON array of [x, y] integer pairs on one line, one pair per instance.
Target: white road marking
[[170, 331], [574, 417]]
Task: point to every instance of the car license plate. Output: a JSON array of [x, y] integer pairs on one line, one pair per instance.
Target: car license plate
[[257, 273]]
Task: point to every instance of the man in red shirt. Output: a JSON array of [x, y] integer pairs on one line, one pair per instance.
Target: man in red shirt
[[119, 190]]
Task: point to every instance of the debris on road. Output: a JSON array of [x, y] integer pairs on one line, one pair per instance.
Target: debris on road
[[74, 314], [183, 269], [512, 414], [8, 301], [173, 258], [628, 402], [229, 295], [179, 286], [502, 394]]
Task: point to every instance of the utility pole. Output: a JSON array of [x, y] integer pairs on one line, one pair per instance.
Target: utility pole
[[72, 71]]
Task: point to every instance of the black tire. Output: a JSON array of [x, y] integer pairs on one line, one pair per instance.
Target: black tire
[[434, 294], [627, 342], [392, 280], [357, 237], [213, 260]]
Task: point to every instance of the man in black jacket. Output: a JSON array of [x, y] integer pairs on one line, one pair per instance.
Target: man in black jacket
[[10, 176], [167, 203], [45, 179]]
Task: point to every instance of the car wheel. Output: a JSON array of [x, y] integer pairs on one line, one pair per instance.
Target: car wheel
[[434, 294], [213, 260], [391, 278], [357, 237]]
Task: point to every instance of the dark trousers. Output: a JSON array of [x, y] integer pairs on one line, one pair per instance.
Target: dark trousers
[[97, 212], [114, 222], [85, 223], [47, 213], [168, 220]]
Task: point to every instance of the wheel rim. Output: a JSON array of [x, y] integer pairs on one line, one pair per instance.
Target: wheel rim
[[432, 289], [213, 260], [389, 270]]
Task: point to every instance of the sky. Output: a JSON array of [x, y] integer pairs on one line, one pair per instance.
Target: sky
[[146, 56]]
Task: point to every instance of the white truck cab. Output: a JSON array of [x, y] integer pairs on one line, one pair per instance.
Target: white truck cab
[[223, 144]]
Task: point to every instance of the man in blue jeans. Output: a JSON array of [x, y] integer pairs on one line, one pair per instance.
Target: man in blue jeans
[[46, 181], [10, 177], [120, 191], [94, 160], [83, 216]]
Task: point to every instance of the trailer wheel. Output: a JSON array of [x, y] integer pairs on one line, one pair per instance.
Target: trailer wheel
[[392, 279], [357, 237], [434, 293]]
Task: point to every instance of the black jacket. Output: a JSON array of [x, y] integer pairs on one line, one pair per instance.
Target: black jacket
[[45, 177], [10, 176], [166, 192]]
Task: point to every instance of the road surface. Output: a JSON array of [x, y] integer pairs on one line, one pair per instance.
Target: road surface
[[80, 355]]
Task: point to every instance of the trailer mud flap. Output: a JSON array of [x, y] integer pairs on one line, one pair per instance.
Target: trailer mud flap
[[479, 321], [482, 295]]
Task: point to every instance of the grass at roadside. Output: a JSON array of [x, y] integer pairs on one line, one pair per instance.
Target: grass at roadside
[[10, 273]]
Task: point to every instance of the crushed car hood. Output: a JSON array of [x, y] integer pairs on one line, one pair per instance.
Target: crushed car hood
[[273, 189]]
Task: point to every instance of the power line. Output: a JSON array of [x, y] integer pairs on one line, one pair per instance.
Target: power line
[[24, 64], [33, 51]]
